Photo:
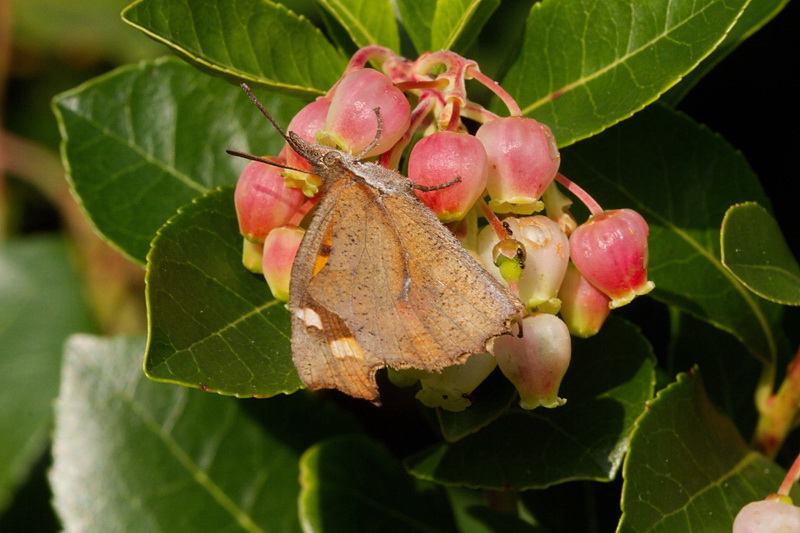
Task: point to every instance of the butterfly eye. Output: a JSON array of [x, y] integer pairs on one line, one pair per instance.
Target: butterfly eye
[[330, 158]]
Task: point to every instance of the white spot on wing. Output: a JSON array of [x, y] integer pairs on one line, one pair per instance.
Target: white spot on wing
[[309, 317], [346, 347]]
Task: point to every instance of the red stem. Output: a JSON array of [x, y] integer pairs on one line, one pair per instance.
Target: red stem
[[791, 477], [583, 196], [511, 104], [778, 415]]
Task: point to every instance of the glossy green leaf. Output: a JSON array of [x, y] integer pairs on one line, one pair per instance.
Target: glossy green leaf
[[367, 21], [755, 251], [498, 43], [456, 23], [444, 24], [609, 381], [352, 484], [688, 468], [732, 373], [35, 274], [213, 324], [585, 65], [133, 455], [681, 178], [256, 41], [757, 13], [144, 140], [417, 17]]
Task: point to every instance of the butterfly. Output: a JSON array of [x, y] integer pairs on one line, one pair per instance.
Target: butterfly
[[378, 281]]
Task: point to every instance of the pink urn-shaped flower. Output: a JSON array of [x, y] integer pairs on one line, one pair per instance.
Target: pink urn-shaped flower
[[584, 307], [441, 158], [280, 249], [768, 516], [306, 123], [352, 124], [610, 250], [523, 160], [262, 200], [546, 255], [537, 362]]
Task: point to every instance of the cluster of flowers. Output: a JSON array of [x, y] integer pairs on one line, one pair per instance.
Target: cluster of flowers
[[555, 265]]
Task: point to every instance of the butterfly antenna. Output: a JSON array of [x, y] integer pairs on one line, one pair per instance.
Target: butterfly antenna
[[251, 157], [377, 137], [264, 160], [263, 110]]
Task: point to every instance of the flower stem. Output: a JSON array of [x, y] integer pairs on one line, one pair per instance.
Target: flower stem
[[791, 477], [779, 411], [583, 196], [511, 104]]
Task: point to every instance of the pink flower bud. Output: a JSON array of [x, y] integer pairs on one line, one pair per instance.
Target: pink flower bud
[[280, 249], [523, 160], [352, 124], [306, 123], [537, 362], [767, 516], [610, 250], [584, 307], [441, 158], [546, 259], [450, 389], [262, 200]]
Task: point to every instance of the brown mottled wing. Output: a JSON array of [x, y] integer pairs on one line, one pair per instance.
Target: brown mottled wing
[[315, 331], [401, 286]]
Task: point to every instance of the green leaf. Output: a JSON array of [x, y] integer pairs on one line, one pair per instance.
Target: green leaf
[[213, 324], [417, 17], [754, 250], [688, 468], [720, 355], [252, 40], [352, 484], [585, 65], [367, 21], [133, 455], [35, 274], [444, 24], [609, 381], [456, 23], [757, 14], [144, 140], [681, 178]]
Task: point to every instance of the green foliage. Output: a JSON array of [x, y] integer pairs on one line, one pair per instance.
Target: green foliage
[[352, 484], [33, 274], [681, 178], [249, 40], [144, 147], [214, 325], [688, 468], [131, 176], [586, 65], [610, 380], [142, 443], [754, 250]]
